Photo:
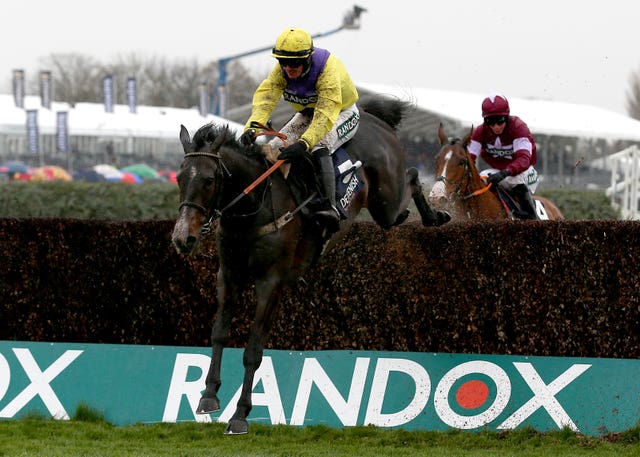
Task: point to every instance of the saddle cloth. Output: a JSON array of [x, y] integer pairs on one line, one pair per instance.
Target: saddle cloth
[[514, 206], [348, 185]]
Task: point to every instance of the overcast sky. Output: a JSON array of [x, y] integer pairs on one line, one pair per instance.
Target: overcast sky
[[563, 50]]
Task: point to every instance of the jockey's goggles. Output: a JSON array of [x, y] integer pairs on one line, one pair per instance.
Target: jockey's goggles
[[292, 63], [495, 120]]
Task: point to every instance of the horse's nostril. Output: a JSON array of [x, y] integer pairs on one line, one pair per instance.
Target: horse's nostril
[[191, 242]]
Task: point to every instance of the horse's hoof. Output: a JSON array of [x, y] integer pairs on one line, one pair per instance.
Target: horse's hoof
[[208, 405], [402, 217], [237, 427], [443, 217]]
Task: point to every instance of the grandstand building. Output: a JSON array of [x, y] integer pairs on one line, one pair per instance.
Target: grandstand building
[[87, 134], [573, 140]]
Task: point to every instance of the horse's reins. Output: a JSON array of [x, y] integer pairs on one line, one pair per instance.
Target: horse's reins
[[463, 186], [264, 130], [216, 213], [475, 193]]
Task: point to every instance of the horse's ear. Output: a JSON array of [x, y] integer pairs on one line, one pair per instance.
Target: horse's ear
[[220, 139], [467, 138], [185, 139], [442, 136]]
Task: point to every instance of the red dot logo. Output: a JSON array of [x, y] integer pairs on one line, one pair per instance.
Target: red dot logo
[[472, 394]]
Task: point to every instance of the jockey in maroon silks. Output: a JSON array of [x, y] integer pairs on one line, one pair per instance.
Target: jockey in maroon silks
[[505, 143]]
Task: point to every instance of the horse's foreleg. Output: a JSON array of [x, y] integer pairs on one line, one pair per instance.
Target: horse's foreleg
[[209, 402], [429, 216], [227, 299], [267, 299]]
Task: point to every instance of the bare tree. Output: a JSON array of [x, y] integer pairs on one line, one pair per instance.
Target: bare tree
[[633, 95], [76, 77], [242, 85], [160, 82], [122, 68], [175, 84]]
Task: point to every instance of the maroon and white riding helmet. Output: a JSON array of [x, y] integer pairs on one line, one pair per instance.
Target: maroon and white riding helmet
[[495, 105]]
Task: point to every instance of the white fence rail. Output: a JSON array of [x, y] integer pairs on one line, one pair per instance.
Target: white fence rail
[[625, 176]]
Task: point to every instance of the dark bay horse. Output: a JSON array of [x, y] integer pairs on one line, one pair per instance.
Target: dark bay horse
[[460, 189], [264, 238]]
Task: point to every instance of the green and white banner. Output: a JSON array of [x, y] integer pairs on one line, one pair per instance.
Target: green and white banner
[[415, 391]]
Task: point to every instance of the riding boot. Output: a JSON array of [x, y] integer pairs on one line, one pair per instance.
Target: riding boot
[[527, 205], [330, 214]]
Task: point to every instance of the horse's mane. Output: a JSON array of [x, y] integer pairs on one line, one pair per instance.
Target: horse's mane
[[209, 132], [388, 109]]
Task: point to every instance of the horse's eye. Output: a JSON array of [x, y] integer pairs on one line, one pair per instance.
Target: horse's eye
[[208, 182]]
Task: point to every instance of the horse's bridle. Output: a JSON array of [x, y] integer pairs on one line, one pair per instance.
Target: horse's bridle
[[213, 212], [462, 186], [465, 181]]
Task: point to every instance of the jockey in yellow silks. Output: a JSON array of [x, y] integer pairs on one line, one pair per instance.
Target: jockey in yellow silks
[[318, 87]]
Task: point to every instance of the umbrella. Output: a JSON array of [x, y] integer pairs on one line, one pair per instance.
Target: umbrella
[[110, 172], [89, 175], [132, 178], [50, 173], [21, 177], [15, 166], [143, 170], [169, 175]]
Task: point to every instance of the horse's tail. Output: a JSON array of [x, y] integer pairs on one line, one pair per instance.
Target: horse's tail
[[387, 109]]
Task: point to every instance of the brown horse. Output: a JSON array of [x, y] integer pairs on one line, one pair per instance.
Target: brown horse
[[263, 236], [460, 189]]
